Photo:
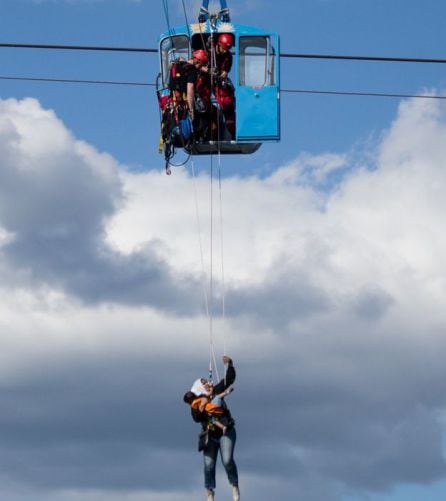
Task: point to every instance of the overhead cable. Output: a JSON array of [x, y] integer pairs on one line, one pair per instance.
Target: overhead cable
[[361, 94], [338, 57], [288, 91], [77, 81], [75, 47], [381, 59]]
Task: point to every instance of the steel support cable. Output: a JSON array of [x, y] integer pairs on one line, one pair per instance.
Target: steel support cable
[[336, 57], [91, 48], [185, 18], [77, 81], [166, 15], [288, 91], [359, 94], [380, 59]]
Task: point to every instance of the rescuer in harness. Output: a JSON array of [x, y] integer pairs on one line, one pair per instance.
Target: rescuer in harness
[[216, 409], [186, 106], [212, 438], [224, 88], [200, 98]]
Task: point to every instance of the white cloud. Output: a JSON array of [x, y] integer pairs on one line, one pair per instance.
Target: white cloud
[[335, 315]]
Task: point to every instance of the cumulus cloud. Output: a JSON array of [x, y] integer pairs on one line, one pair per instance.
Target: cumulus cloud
[[335, 292], [56, 195]]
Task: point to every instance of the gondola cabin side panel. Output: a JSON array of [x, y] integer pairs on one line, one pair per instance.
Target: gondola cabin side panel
[[257, 86]]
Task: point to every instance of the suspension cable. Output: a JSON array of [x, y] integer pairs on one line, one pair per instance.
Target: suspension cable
[[287, 91], [186, 19], [166, 15], [335, 57]]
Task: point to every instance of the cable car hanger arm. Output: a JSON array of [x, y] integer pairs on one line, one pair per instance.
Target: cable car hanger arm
[[223, 15]]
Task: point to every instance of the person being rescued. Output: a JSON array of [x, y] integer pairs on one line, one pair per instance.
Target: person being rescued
[[219, 440], [215, 407]]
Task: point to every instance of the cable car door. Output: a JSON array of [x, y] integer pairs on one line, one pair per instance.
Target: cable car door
[[257, 89]]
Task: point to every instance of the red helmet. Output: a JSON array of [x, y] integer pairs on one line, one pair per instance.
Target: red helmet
[[201, 56], [226, 40]]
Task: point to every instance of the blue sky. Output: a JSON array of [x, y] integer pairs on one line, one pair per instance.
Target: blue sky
[[333, 253], [397, 28]]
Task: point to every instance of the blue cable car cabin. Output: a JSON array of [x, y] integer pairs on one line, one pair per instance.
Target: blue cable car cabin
[[255, 75]]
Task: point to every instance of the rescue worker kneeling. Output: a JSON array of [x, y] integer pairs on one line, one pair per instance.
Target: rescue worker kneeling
[[224, 89], [199, 98]]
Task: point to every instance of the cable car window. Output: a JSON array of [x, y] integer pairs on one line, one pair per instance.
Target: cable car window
[[256, 62], [171, 48]]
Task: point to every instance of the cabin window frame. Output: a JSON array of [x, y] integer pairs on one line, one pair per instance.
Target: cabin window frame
[[171, 48], [256, 73]]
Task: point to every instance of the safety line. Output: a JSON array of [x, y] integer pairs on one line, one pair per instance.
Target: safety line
[[219, 113], [211, 250], [211, 275], [207, 299], [200, 241], [223, 284]]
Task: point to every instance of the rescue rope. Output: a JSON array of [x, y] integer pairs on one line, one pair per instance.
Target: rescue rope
[[213, 67], [211, 275], [207, 295], [219, 116], [223, 285], [219, 111]]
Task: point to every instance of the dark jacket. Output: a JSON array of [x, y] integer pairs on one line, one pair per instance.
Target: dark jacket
[[223, 61], [181, 73], [226, 419]]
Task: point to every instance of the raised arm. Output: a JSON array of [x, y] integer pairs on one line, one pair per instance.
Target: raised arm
[[229, 378]]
